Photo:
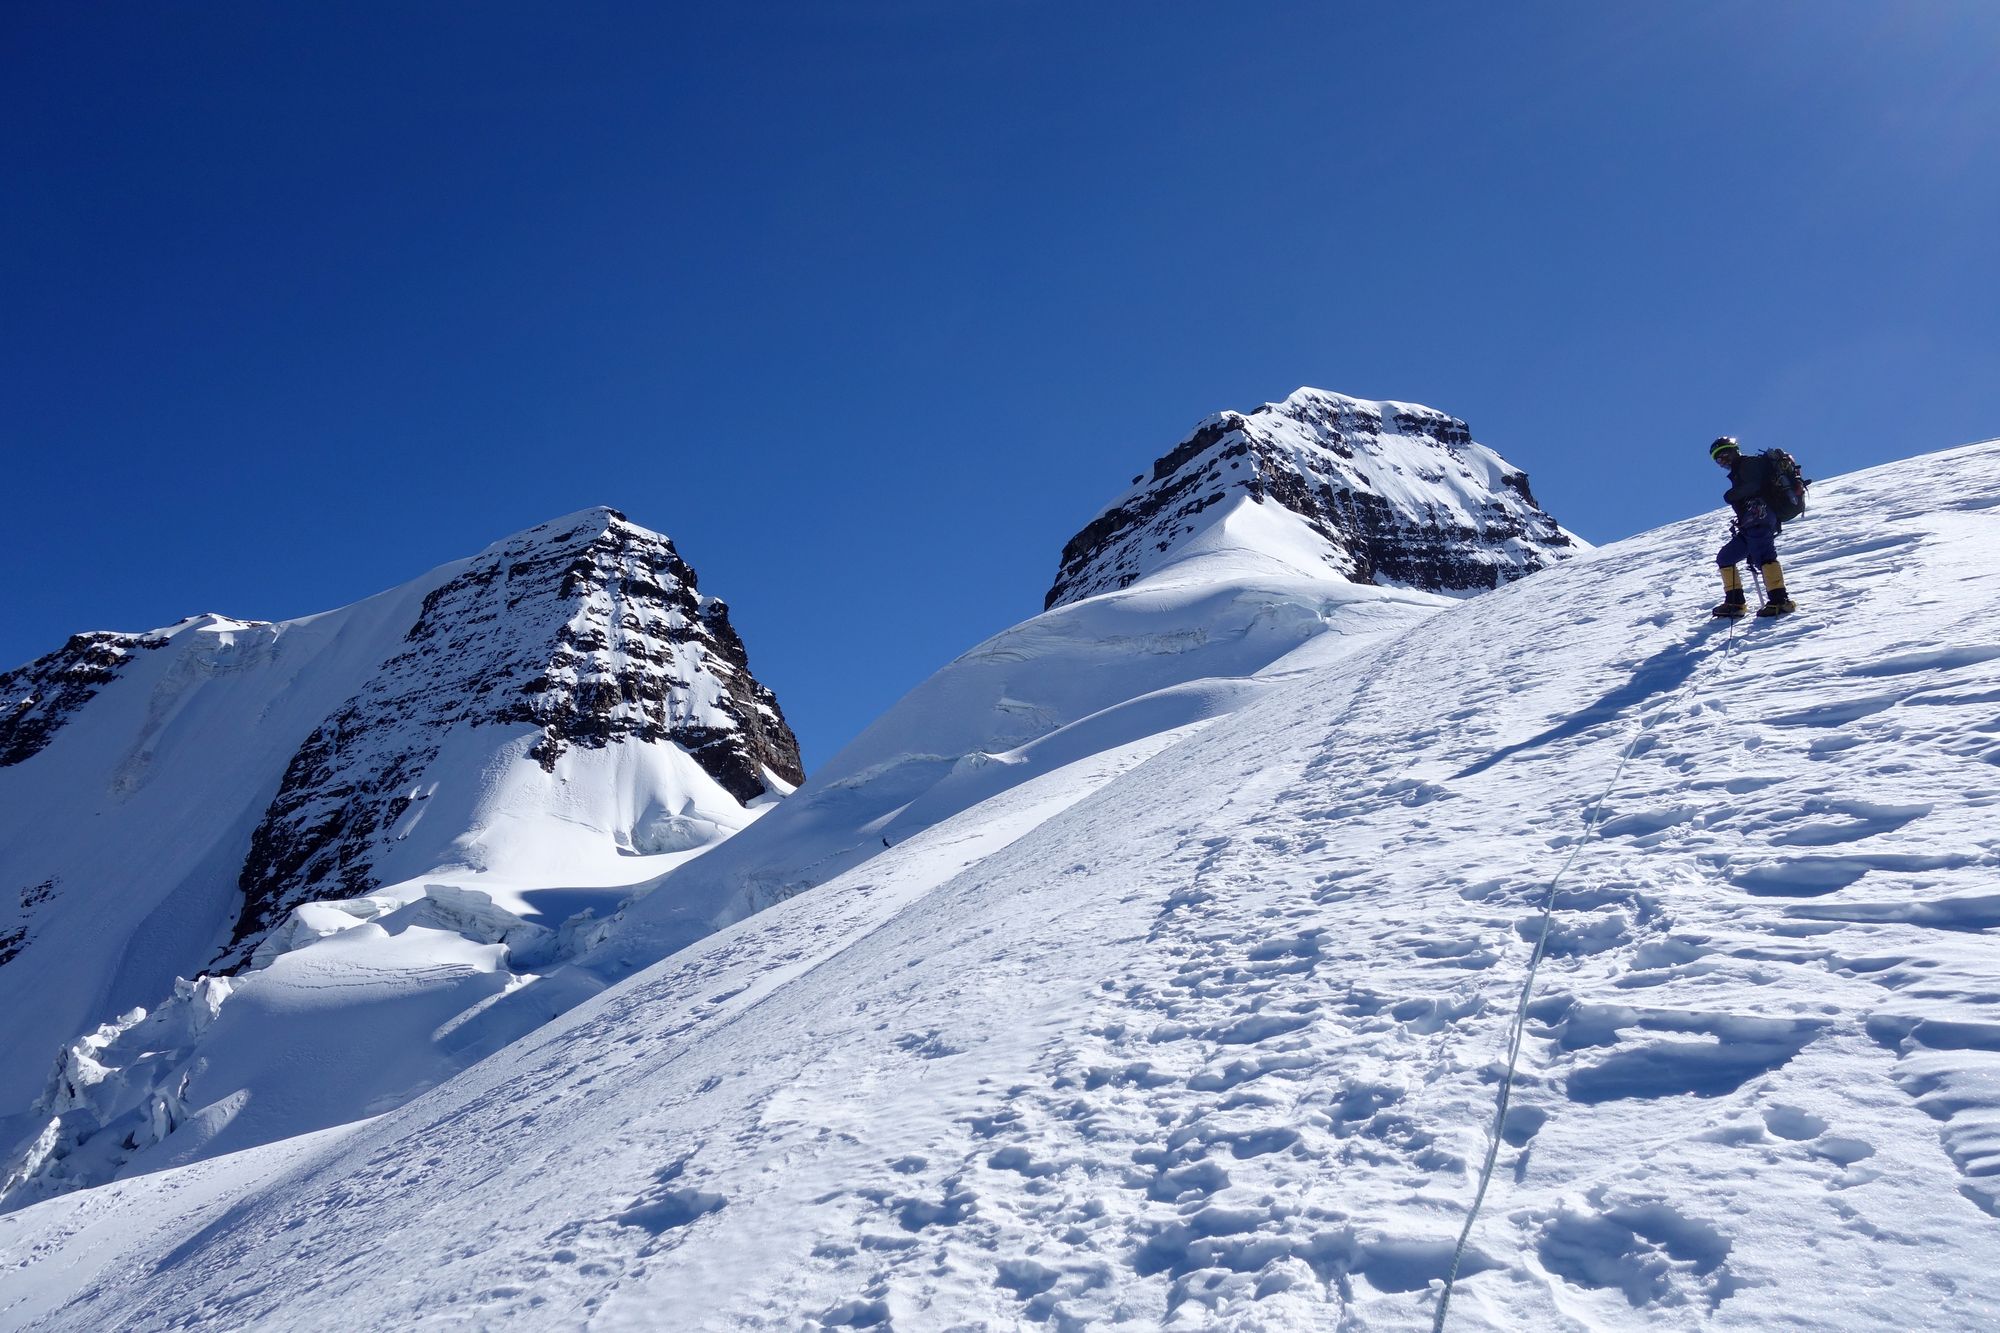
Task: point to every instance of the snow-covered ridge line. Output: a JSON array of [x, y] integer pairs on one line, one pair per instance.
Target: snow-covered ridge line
[[538, 659], [1390, 493]]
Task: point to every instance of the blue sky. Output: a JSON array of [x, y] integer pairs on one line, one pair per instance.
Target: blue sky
[[871, 306]]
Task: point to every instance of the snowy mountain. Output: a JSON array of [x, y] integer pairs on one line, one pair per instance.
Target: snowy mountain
[[450, 778], [398, 927], [1390, 493], [589, 636], [1215, 1039], [1261, 545]]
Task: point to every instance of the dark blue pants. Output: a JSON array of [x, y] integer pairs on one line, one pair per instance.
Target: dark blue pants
[[1756, 539]]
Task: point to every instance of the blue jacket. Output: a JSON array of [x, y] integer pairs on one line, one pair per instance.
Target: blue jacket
[[1750, 477]]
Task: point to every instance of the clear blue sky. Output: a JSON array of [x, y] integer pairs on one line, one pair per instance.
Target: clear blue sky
[[871, 306]]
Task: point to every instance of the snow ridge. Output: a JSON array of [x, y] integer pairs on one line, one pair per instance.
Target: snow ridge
[[1391, 493]]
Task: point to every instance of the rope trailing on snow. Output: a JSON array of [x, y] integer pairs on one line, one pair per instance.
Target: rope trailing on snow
[[1528, 985]]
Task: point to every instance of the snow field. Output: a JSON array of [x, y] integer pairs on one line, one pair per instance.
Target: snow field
[[1205, 1031], [733, 974]]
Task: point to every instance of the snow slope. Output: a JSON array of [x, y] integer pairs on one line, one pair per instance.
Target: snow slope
[[371, 820], [136, 817], [1217, 1043], [1260, 544]]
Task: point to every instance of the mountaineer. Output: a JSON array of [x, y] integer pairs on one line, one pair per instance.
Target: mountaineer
[[1764, 489]]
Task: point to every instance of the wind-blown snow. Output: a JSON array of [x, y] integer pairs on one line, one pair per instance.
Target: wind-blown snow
[[1216, 1042]]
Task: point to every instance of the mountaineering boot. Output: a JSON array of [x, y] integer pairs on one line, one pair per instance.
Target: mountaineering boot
[[1777, 601], [1731, 605]]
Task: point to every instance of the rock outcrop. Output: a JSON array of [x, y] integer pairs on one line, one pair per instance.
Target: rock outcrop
[[1391, 493], [38, 699]]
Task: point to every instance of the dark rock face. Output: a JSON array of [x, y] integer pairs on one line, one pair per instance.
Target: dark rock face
[[15, 935], [38, 699], [1408, 500], [590, 630]]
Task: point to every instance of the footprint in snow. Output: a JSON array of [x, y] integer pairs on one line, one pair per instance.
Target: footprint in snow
[[1648, 1252]]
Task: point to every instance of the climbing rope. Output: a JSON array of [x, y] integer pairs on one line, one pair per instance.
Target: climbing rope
[[1534, 963]]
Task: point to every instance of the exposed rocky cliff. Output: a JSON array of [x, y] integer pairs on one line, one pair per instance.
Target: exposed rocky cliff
[[1394, 493], [589, 629], [38, 699]]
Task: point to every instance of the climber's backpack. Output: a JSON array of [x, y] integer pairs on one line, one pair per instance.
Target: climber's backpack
[[1785, 492]]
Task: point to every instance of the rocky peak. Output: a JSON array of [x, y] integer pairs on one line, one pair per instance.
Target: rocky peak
[[1391, 493], [589, 629]]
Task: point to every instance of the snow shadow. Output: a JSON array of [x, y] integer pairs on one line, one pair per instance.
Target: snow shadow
[[235, 1216], [550, 908], [1234, 1240], [1661, 674], [1677, 1068]]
